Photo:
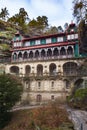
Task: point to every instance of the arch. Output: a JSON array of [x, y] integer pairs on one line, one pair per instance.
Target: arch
[[62, 51], [39, 70], [14, 56], [49, 52], [52, 69], [31, 54], [70, 69], [14, 69], [27, 70], [55, 52], [43, 53], [37, 54], [70, 50], [20, 55], [25, 55], [77, 85]]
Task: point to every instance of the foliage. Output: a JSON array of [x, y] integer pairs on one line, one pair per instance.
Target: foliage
[[80, 94], [80, 13], [82, 30], [20, 18], [4, 13], [44, 118], [10, 93], [80, 9], [4, 47], [39, 24], [52, 30], [79, 99], [60, 29]]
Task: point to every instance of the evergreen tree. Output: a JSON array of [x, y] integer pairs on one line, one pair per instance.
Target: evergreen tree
[[10, 93], [4, 13]]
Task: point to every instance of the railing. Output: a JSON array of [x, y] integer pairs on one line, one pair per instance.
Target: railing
[[5, 60], [49, 75], [43, 58]]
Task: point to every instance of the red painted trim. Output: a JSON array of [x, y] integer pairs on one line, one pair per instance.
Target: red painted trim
[[44, 36], [44, 46]]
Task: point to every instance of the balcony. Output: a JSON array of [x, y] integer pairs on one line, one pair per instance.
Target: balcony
[[43, 58]]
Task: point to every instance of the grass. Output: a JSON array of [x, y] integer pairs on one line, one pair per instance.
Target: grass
[[50, 117]]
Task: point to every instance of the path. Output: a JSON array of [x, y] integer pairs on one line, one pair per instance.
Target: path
[[79, 118]]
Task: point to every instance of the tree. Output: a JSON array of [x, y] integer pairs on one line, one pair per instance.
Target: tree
[[60, 29], [42, 21], [38, 25], [20, 18], [80, 10], [10, 93], [4, 13], [52, 30], [33, 23], [80, 13], [66, 26]]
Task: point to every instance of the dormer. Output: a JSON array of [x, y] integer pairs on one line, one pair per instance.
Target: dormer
[[17, 40], [17, 37], [72, 28]]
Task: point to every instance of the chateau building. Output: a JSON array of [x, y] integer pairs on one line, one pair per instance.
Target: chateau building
[[48, 64]]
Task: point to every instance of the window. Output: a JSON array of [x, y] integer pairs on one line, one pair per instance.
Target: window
[[39, 98], [14, 44], [39, 85], [52, 85], [64, 38], [27, 85], [48, 40], [37, 42], [76, 36], [72, 36], [60, 39], [27, 44], [32, 43], [52, 97], [43, 41], [54, 39]]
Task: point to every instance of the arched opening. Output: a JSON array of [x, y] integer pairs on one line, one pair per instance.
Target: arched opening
[[14, 69], [77, 85], [27, 70], [20, 56], [39, 98], [55, 52], [70, 69], [70, 51], [31, 54], [37, 54], [62, 51], [39, 70], [43, 53], [14, 56], [52, 69], [25, 55], [49, 53]]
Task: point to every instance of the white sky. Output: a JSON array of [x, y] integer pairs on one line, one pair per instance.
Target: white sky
[[58, 11]]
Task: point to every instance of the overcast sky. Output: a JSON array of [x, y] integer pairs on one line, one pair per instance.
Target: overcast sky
[[58, 11]]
